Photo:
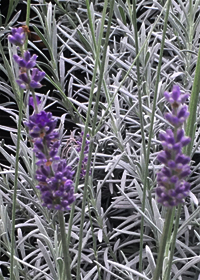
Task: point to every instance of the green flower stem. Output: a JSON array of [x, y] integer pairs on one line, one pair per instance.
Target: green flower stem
[[65, 247], [134, 22], [167, 248], [28, 9], [191, 123], [146, 171], [94, 238], [162, 245], [14, 200], [173, 243], [34, 101]]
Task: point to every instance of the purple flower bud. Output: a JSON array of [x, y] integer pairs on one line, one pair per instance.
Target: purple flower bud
[[34, 81], [23, 80], [180, 134], [181, 158], [177, 147], [174, 179], [185, 141], [18, 36], [39, 144], [183, 114], [174, 120], [162, 157], [185, 171], [171, 164], [175, 93]]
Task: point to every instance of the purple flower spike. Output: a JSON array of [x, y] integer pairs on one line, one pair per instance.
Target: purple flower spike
[[18, 36], [172, 187], [53, 174]]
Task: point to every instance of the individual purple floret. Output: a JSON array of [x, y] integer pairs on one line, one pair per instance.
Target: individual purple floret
[[172, 187], [53, 175], [18, 36], [86, 149], [36, 77], [33, 82], [31, 101], [27, 61]]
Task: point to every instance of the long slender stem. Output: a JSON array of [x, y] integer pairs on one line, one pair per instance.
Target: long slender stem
[[28, 9], [162, 245], [168, 245], [65, 247], [190, 131], [141, 123], [94, 240], [169, 265], [151, 130], [14, 201], [134, 22]]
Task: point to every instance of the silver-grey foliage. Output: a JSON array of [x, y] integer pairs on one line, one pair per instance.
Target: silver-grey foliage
[[110, 248]]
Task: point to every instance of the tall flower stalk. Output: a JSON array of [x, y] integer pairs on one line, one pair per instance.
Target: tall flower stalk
[[172, 186], [53, 174], [17, 38]]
